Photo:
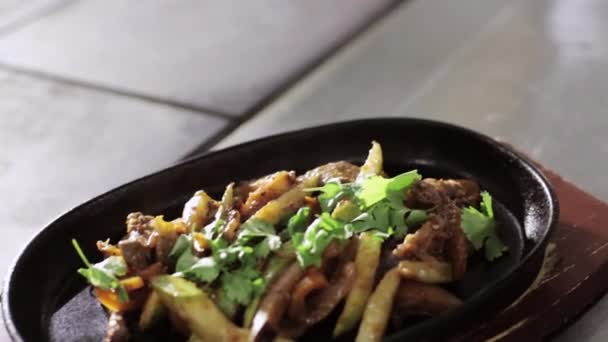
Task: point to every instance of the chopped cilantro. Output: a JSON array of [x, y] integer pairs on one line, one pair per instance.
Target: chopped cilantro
[[377, 188], [416, 217], [331, 193], [232, 264], [205, 269], [183, 241], [311, 244], [480, 228], [186, 260], [104, 275]]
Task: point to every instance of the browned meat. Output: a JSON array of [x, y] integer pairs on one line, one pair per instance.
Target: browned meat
[[233, 223], [138, 222], [117, 330], [431, 192], [457, 251], [420, 299], [322, 304], [273, 305], [266, 189], [342, 170], [440, 238], [151, 271], [164, 245], [136, 253], [313, 280], [107, 249], [324, 296]]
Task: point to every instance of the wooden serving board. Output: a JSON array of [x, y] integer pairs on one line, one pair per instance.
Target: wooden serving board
[[574, 273]]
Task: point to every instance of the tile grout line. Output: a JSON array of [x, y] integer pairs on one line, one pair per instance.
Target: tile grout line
[[294, 80], [503, 13], [33, 15], [110, 90]]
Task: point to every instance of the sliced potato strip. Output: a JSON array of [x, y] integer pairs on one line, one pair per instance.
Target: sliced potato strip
[[285, 204], [379, 307], [373, 163], [192, 305], [366, 263], [430, 272]]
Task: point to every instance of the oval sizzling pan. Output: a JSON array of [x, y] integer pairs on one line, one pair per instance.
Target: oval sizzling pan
[[45, 299]]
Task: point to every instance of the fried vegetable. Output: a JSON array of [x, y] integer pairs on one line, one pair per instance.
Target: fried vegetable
[[275, 301], [111, 301], [276, 185], [193, 305], [430, 272], [286, 204], [342, 171], [132, 283], [313, 280], [379, 307], [152, 312], [366, 263], [276, 265], [346, 210], [197, 210], [373, 163], [415, 298], [117, 330]]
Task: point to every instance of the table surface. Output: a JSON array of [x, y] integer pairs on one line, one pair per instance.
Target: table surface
[[78, 118]]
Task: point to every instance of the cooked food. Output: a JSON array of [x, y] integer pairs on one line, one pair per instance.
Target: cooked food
[[276, 256]]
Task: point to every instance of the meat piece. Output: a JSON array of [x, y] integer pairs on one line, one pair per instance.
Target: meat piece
[[136, 253], [267, 189], [430, 192], [419, 299], [232, 225], [313, 281], [322, 304], [117, 330], [457, 251], [151, 271], [339, 268], [438, 239], [275, 301], [164, 245], [107, 249], [138, 222], [426, 243], [342, 170]]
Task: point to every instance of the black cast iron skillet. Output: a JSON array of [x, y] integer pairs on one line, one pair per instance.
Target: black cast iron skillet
[[45, 299]]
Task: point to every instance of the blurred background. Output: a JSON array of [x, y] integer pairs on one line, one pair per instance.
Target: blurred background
[[95, 93]]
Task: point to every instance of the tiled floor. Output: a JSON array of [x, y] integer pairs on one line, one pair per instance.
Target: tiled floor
[[61, 145], [517, 72], [96, 93], [225, 56]]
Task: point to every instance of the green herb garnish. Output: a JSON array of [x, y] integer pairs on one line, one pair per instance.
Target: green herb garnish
[[104, 275], [480, 228]]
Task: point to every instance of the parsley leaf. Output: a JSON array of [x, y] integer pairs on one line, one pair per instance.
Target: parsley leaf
[[241, 285], [480, 228], [331, 193], [104, 275], [297, 223], [183, 241], [205, 269], [377, 188], [186, 260], [311, 244]]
